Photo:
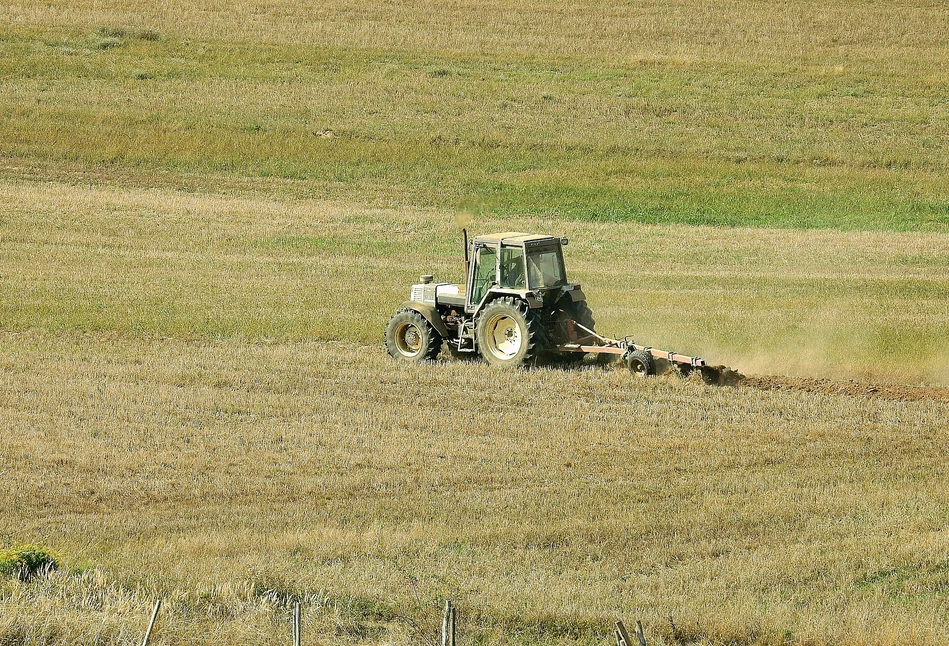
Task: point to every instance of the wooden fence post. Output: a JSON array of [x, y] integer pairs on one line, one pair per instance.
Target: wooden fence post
[[622, 637], [452, 625], [640, 635], [448, 624]]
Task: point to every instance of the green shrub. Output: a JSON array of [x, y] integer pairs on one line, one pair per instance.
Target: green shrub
[[26, 561]]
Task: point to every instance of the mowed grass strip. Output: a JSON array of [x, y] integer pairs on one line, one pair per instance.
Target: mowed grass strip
[[732, 114], [229, 477], [166, 263]]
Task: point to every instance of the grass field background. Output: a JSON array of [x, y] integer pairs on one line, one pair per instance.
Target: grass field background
[[209, 210], [801, 114]]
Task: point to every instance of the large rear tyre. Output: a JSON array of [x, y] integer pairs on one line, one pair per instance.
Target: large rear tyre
[[641, 363], [578, 312], [508, 333], [410, 337], [582, 314]]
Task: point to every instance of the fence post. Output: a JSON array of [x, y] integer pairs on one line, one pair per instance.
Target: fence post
[[151, 624], [640, 635], [452, 625], [296, 623], [448, 624]]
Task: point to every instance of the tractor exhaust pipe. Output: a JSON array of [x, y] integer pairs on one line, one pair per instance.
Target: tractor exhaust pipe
[[464, 233]]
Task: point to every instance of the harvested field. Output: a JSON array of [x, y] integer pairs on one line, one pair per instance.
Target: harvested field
[[229, 476], [209, 210], [198, 425], [184, 264]]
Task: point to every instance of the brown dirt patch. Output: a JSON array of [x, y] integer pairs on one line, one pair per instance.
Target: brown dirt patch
[[848, 388]]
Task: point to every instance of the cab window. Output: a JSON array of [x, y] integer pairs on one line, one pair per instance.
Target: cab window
[[512, 268], [485, 272], [545, 268]]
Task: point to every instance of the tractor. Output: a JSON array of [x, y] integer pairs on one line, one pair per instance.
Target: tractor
[[517, 309]]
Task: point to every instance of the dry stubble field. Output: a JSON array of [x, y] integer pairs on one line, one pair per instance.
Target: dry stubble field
[[208, 211], [213, 421]]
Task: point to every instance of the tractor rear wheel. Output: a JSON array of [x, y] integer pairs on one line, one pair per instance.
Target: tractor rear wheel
[[582, 314], [411, 338], [641, 363], [579, 312], [508, 333]]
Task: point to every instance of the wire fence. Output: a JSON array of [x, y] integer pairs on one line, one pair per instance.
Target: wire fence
[[449, 627]]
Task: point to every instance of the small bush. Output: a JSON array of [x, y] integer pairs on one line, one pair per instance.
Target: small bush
[[26, 561]]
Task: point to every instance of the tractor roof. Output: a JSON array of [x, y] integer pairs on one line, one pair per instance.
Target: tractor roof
[[513, 237]]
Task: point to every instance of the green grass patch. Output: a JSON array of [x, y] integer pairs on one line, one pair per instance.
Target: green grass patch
[[725, 142], [27, 561]]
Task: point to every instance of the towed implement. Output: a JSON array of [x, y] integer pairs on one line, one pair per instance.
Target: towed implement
[[517, 308]]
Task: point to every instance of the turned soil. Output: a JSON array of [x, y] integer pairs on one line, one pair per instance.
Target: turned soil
[[850, 388]]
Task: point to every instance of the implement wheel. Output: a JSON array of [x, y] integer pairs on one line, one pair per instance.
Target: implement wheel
[[411, 338], [641, 363], [508, 333]]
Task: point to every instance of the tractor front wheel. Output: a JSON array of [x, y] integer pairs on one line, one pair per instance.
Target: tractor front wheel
[[508, 333], [410, 337]]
